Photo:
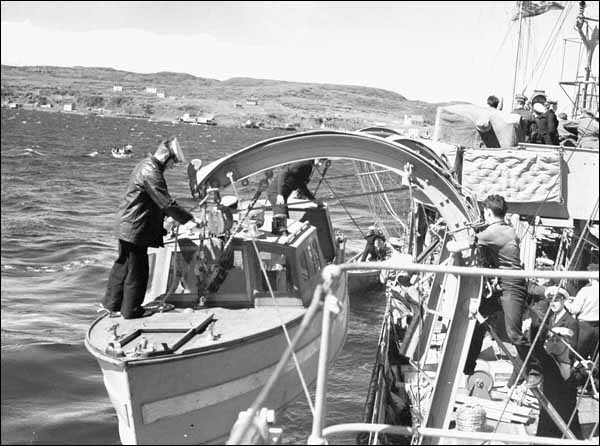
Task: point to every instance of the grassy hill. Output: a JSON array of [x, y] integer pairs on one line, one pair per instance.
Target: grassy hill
[[306, 105]]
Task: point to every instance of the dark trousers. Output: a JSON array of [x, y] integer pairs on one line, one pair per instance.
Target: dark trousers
[[369, 251], [513, 304], [563, 397], [127, 281]]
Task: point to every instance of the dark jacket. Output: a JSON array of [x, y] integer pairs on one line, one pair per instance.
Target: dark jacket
[[146, 201], [295, 177], [545, 129]]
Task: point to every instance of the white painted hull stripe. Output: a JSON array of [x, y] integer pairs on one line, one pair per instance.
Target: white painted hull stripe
[[200, 399]]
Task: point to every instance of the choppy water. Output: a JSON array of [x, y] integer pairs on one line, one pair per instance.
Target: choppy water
[[58, 208]]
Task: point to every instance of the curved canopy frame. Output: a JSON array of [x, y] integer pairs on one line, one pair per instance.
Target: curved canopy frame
[[430, 183]]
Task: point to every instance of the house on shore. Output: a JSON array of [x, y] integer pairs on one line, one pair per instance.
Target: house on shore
[[117, 88], [251, 101], [151, 90], [69, 107]]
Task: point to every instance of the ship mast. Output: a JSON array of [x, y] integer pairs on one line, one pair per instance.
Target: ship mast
[[586, 90], [512, 103], [590, 45]]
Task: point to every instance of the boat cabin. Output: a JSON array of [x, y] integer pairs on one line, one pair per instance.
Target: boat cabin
[[291, 258]]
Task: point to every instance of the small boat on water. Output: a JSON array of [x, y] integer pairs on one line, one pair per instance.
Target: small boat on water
[[125, 151], [236, 292]]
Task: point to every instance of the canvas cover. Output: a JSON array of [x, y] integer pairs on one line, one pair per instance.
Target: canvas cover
[[520, 176], [474, 126]]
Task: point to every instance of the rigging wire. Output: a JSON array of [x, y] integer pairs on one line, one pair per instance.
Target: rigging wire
[[341, 203], [285, 332], [551, 49]]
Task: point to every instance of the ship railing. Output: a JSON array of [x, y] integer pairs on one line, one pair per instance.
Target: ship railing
[[331, 272], [444, 433], [325, 299]]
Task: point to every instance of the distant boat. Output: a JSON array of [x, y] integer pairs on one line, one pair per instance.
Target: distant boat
[[123, 152], [206, 121], [94, 153]]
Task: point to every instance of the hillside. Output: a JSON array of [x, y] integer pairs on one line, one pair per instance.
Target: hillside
[[305, 105]]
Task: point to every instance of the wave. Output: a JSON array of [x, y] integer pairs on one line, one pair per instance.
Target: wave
[[62, 382], [51, 268]]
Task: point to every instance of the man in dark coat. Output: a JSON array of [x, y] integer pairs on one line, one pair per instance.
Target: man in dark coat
[[139, 226], [557, 360], [545, 131], [293, 177]]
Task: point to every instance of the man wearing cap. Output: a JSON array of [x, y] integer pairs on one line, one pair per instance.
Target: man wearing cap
[[585, 308], [139, 226], [559, 330], [544, 131], [526, 118]]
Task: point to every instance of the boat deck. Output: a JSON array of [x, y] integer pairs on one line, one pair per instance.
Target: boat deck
[[521, 414], [216, 328]]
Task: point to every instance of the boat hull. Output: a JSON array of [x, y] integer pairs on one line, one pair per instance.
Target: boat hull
[[196, 398], [363, 280]]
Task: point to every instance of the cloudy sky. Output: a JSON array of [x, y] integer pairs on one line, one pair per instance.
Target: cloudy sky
[[433, 51]]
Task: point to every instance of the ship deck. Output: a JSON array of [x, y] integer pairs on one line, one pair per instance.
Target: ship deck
[[521, 414]]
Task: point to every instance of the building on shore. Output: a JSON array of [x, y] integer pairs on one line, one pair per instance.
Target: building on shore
[[69, 107], [151, 90], [414, 120], [117, 88], [160, 94], [251, 101]]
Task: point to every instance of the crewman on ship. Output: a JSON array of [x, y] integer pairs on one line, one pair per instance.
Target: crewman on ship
[[139, 226], [371, 250], [545, 126], [526, 118], [294, 177], [585, 307], [499, 248], [558, 337]]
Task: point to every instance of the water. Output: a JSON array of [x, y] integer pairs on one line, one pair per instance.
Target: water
[[58, 245]]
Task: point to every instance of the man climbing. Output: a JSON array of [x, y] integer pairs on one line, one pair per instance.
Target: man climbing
[[370, 249]]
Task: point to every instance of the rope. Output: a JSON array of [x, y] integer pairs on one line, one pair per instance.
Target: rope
[[287, 336], [343, 206]]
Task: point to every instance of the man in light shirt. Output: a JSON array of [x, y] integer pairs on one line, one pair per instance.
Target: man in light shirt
[[585, 308]]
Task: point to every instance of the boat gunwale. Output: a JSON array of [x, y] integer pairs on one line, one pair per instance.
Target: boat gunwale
[[131, 362]]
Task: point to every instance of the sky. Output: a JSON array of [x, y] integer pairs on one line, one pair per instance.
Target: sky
[[430, 51]]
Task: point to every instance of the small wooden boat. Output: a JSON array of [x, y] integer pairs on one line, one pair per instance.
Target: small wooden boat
[[123, 152], [182, 376]]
